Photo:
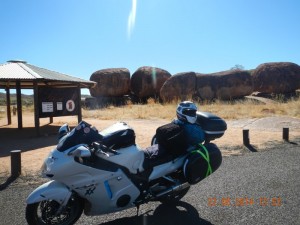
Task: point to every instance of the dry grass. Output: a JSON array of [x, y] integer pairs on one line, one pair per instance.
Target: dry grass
[[133, 111], [227, 110], [2, 111]]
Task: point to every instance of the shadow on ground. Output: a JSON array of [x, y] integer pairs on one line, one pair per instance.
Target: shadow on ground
[[7, 182], [251, 148], [26, 139], [180, 214]]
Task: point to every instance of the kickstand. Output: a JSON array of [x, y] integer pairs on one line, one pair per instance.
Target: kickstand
[[137, 210]]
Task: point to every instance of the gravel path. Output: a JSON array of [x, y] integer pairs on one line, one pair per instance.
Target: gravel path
[[256, 188]]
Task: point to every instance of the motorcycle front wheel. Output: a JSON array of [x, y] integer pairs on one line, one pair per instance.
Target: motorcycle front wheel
[[46, 212]]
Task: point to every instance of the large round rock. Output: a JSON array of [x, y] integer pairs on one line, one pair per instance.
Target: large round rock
[[224, 85], [280, 77], [147, 81], [180, 86], [113, 82]]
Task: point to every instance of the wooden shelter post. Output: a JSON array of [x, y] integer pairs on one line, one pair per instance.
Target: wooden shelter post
[[19, 104], [79, 104], [36, 109], [8, 111]]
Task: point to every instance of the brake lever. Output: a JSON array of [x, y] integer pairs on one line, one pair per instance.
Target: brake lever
[[112, 151], [104, 153], [107, 149]]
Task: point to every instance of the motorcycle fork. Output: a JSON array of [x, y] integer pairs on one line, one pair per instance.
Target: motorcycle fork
[[63, 204]]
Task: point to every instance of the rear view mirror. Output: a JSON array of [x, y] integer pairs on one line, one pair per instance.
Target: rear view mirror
[[63, 130]]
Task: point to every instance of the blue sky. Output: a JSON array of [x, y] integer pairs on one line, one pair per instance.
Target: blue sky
[[80, 37]]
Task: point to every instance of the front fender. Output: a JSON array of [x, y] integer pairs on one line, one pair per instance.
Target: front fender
[[51, 190]]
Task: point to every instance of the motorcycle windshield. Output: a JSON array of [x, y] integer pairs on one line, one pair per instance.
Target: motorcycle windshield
[[83, 133]]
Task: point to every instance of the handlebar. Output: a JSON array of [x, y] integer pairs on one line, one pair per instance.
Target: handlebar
[[103, 149]]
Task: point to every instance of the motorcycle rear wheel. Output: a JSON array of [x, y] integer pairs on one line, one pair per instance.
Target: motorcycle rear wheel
[[44, 212]]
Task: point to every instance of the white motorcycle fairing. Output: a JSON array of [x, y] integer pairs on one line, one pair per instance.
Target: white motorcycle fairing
[[131, 157], [51, 190], [104, 191], [166, 168]]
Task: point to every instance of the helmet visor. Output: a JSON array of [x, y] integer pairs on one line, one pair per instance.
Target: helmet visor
[[189, 112]]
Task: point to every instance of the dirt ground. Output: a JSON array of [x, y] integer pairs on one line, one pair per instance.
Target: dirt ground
[[263, 132]]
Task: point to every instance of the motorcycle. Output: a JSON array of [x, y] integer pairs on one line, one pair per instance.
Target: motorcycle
[[104, 172]]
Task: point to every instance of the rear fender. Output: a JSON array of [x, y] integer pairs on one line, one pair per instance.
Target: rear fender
[[51, 190]]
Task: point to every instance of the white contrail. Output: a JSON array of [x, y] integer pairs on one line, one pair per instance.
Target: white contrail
[[131, 19]]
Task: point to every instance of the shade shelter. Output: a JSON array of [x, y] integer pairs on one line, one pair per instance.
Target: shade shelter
[[55, 94]]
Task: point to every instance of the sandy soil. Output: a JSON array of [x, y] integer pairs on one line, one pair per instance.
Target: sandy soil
[[263, 132]]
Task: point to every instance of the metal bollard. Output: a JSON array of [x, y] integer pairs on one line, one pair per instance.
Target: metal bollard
[[246, 140], [15, 157], [285, 134], [14, 110]]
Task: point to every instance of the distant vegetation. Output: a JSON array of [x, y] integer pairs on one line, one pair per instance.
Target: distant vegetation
[[235, 109], [27, 100]]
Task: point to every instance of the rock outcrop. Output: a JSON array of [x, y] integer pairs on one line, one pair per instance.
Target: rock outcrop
[[280, 77], [113, 82], [181, 86], [147, 81], [224, 85]]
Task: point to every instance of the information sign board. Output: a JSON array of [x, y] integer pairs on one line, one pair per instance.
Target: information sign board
[[55, 102]]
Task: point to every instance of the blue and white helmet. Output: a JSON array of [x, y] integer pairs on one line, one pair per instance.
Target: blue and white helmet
[[186, 112]]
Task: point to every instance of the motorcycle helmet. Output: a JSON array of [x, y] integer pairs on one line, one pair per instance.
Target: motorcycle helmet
[[186, 112]]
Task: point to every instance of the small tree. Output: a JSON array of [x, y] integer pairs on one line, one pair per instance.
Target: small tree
[[237, 67]]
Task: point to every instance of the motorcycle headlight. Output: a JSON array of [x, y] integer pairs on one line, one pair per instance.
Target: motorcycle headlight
[[46, 167], [43, 168]]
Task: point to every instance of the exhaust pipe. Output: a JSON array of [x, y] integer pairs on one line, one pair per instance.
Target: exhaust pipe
[[173, 189]]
